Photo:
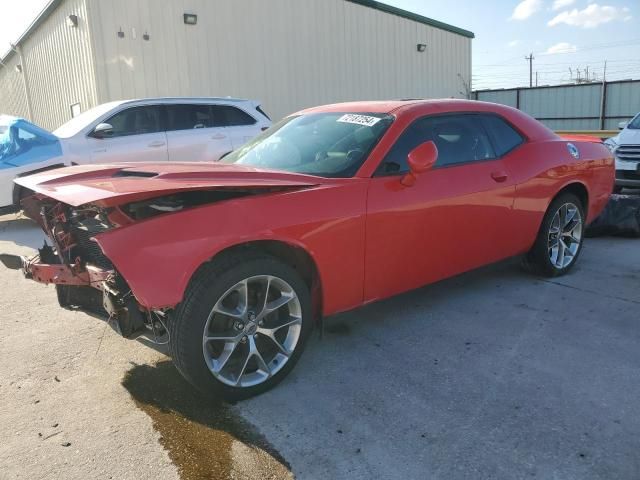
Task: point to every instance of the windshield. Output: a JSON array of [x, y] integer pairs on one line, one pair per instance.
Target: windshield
[[76, 124], [635, 123], [321, 144], [22, 143]]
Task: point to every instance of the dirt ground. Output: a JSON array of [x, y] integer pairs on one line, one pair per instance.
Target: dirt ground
[[494, 374]]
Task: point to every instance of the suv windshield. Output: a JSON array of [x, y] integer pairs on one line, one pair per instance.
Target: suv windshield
[[635, 123], [321, 144], [76, 124]]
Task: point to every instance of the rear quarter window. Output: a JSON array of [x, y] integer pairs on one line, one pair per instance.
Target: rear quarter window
[[505, 138], [228, 116]]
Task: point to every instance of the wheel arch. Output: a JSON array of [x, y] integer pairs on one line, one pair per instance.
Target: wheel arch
[[295, 256], [580, 190], [577, 188]]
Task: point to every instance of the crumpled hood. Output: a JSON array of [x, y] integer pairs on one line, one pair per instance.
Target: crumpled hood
[[116, 184]]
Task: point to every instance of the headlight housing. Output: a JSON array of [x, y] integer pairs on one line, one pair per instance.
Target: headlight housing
[[611, 144]]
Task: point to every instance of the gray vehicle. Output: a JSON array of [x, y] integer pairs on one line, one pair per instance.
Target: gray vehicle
[[626, 148]]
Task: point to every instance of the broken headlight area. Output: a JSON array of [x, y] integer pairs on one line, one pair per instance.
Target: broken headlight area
[[85, 279]]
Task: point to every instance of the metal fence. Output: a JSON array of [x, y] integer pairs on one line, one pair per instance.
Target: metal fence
[[589, 106]]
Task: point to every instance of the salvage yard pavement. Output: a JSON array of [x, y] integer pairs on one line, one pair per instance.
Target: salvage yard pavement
[[492, 374]]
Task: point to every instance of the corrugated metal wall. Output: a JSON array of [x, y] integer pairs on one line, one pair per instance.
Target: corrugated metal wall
[[12, 96], [622, 102], [504, 97], [59, 65], [290, 54], [573, 107]]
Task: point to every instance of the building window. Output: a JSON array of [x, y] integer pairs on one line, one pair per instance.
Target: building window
[[75, 110]]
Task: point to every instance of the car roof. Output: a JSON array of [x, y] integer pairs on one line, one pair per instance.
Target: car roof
[[526, 124], [406, 105], [186, 99]]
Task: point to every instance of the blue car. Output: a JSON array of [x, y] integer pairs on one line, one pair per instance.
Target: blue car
[[25, 148]]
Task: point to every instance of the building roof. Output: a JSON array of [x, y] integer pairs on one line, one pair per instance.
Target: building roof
[[383, 7]]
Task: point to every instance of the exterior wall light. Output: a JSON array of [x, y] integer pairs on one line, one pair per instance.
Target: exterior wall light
[[19, 68], [146, 36], [120, 33], [72, 21], [190, 18], [422, 47]]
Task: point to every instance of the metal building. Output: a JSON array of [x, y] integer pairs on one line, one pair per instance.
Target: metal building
[[289, 54]]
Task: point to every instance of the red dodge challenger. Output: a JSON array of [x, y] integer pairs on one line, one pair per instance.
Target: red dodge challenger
[[232, 263]]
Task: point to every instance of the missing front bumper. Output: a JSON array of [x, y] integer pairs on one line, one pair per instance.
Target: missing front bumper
[[85, 288]]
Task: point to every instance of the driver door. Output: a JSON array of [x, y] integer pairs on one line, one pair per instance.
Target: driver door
[[138, 136], [457, 216]]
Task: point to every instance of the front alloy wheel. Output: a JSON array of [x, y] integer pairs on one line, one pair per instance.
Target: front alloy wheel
[[242, 325], [252, 331]]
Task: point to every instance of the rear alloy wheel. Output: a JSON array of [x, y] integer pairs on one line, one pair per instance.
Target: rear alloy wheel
[[242, 326], [565, 236], [560, 238]]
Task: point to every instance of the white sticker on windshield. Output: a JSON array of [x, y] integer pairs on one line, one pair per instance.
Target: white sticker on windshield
[[365, 120]]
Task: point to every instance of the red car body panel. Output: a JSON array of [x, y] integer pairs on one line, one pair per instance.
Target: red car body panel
[[369, 237], [327, 221]]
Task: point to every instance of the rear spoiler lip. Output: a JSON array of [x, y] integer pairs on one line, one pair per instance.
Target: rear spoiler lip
[[574, 137]]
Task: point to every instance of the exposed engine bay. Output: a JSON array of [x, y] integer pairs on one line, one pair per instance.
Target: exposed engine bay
[[85, 279]]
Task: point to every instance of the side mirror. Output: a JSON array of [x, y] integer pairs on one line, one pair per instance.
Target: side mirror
[[102, 130], [622, 125], [421, 159]]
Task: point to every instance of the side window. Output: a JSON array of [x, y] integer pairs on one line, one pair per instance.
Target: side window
[[136, 121], [505, 138], [188, 117], [228, 116], [459, 138], [24, 135]]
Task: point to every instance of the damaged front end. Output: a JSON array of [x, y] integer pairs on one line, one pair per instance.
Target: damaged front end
[[84, 278], [87, 210]]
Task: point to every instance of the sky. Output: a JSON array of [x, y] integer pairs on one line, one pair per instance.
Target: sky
[[566, 37]]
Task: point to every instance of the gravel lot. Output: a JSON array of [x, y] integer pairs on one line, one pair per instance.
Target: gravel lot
[[493, 374]]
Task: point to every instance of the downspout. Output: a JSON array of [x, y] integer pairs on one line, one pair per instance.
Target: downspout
[[25, 82]]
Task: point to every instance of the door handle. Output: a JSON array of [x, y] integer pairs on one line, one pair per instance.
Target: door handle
[[218, 136], [100, 150], [158, 143], [499, 176]]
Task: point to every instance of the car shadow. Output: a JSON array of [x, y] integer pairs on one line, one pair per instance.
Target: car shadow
[[197, 431]]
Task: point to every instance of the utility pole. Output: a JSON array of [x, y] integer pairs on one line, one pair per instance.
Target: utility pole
[[530, 58], [603, 98]]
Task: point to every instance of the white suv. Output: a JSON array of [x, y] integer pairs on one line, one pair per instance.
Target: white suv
[[626, 148], [149, 130]]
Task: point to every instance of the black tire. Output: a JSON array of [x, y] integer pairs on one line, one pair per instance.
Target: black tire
[[538, 260], [209, 284]]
